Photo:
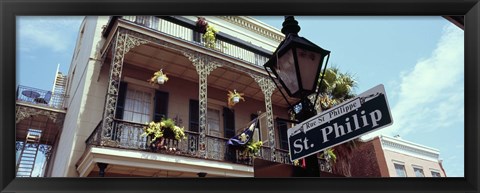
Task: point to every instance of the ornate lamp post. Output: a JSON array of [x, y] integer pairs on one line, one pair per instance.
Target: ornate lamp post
[[296, 64]]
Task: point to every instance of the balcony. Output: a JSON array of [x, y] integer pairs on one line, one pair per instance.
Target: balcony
[[39, 119], [40, 98], [242, 51], [127, 135]]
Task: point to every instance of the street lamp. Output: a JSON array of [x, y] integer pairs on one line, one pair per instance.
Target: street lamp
[[297, 63]]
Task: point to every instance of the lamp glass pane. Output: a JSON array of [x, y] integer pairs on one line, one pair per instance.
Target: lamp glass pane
[[286, 71], [309, 64]]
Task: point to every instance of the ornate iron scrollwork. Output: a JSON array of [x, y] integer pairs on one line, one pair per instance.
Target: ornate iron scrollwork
[[123, 44], [267, 86], [23, 112], [203, 67]]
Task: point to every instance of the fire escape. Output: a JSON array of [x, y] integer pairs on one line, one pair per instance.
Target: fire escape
[[39, 120]]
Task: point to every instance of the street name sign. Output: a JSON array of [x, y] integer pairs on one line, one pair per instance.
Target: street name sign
[[363, 114]]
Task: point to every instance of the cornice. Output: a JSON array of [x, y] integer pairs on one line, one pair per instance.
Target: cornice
[[260, 30], [403, 147]]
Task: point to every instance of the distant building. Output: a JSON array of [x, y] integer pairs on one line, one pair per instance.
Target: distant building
[[385, 156], [39, 118]]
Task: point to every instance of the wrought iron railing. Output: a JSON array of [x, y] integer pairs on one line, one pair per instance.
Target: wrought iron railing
[[40, 97], [189, 34], [128, 135]]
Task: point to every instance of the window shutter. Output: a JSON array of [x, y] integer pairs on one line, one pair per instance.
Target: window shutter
[[194, 118], [229, 122], [282, 131], [161, 106], [121, 100]]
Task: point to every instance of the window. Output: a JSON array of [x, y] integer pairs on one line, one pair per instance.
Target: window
[[400, 169], [137, 106], [418, 172], [213, 121], [138, 109], [436, 174]]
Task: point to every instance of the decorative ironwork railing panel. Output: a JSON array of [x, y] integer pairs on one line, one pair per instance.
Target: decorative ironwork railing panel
[[188, 34], [40, 97], [128, 135]]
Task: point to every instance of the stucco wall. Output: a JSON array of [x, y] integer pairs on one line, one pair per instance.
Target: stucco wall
[[181, 91], [410, 161], [80, 119]]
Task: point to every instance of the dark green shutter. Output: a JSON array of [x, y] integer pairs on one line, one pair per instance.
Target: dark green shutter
[[161, 106], [122, 93], [282, 131], [194, 118], [229, 132], [229, 122]]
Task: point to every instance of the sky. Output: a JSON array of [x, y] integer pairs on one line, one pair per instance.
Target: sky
[[419, 60]]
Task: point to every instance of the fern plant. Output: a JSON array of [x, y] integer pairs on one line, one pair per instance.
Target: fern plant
[[164, 128], [252, 148], [209, 37]]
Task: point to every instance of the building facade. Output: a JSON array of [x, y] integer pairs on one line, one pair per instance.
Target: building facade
[[385, 156], [110, 99]]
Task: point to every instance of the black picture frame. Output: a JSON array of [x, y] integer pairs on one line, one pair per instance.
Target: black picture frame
[[9, 9]]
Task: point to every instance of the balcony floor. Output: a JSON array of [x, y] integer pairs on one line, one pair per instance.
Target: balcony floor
[[39, 118], [123, 162]]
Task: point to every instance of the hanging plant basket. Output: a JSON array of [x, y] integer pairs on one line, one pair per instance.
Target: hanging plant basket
[[161, 80], [158, 77], [210, 37], [234, 98], [164, 129]]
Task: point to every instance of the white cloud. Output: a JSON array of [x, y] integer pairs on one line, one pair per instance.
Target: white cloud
[[46, 32], [430, 96]]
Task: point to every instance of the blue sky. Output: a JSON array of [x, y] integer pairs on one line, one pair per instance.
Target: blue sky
[[418, 59]]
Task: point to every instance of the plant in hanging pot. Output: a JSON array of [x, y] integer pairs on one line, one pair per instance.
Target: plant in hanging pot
[[234, 97], [172, 131], [159, 132], [209, 37], [158, 77]]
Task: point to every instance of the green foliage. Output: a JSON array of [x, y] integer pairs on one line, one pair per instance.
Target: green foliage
[[159, 129], [168, 123], [329, 155], [153, 129], [253, 148], [210, 37], [335, 88]]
